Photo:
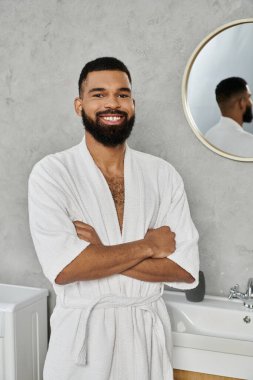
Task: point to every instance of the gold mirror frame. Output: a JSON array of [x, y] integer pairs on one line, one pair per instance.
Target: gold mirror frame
[[186, 107]]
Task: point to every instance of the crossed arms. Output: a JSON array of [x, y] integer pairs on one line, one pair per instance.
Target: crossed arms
[[145, 259]]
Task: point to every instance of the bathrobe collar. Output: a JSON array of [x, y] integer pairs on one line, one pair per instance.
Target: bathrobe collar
[[100, 193], [227, 122]]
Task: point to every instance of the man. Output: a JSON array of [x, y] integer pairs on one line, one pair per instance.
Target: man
[[234, 100], [110, 226]]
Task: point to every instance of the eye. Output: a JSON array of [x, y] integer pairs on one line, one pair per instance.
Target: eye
[[124, 96], [98, 95]]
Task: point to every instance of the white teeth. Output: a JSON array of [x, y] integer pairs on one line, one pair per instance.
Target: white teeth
[[112, 118]]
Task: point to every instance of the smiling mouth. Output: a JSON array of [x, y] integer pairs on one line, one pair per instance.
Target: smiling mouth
[[112, 119]]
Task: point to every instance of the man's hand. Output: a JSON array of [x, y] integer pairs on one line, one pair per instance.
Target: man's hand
[[162, 242], [99, 261], [86, 232]]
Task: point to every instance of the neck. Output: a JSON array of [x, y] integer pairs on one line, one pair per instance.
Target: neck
[[110, 160]]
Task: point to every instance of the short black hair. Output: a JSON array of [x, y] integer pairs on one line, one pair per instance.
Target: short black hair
[[229, 87], [100, 64]]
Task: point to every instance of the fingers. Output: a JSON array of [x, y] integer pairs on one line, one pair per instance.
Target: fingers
[[164, 229], [77, 223], [84, 235], [174, 246], [167, 229], [83, 228], [86, 232]]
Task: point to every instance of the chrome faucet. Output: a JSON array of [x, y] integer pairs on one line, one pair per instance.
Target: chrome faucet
[[249, 290], [247, 297]]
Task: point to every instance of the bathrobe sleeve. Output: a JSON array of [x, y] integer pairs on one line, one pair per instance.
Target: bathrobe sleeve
[[179, 220], [53, 232]]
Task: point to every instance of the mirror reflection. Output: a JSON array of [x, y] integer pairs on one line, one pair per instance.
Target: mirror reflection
[[233, 97], [217, 91]]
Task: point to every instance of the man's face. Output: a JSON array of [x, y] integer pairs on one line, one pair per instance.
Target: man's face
[[247, 115], [107, 107]]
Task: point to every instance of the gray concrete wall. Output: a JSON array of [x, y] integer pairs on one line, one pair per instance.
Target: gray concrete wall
[[43, 46]]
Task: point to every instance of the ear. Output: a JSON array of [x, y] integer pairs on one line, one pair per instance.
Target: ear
[[242, 103], [78, 106]]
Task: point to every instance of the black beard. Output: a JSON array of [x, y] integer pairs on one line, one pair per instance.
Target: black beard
[[109, 135], [247, 116]]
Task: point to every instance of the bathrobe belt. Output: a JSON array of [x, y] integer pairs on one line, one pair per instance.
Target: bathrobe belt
[[87, 306]]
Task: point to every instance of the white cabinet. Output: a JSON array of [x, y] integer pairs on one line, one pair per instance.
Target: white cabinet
[[23, 332]]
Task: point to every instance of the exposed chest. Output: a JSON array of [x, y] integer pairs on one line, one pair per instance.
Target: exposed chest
[[116, 185]]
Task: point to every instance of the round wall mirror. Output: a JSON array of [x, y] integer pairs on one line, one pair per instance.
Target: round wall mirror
[[216, 91]]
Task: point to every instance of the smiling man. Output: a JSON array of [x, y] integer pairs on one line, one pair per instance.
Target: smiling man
[[110, 226], [112, 125]]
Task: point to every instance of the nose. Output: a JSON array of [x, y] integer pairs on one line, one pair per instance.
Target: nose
[[112, 102]]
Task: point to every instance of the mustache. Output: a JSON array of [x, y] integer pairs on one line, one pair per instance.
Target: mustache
[[112, 112]]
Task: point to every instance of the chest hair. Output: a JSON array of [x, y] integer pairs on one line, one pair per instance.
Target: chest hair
[[116, 185]]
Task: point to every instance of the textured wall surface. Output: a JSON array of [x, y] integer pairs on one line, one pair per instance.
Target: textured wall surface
[[44, 45]]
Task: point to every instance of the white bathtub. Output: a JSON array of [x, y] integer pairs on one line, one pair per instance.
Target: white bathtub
[[214, 336]]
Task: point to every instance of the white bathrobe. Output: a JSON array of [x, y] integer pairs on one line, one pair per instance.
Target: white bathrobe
[[114, 328], [231, 138]]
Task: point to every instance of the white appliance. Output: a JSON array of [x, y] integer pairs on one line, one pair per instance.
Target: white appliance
[[23, 332]]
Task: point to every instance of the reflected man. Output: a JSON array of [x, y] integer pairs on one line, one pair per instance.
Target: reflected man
[[234, 100]]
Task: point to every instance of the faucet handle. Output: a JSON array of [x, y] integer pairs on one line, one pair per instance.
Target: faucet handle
[[233, 291], [249, 290]]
